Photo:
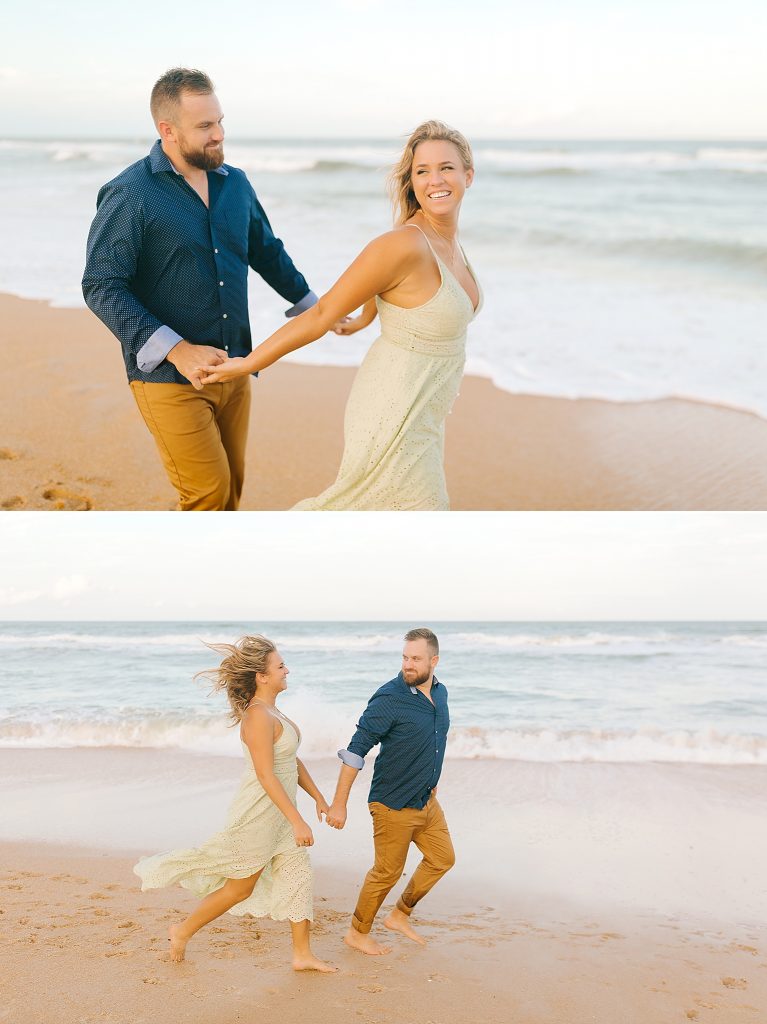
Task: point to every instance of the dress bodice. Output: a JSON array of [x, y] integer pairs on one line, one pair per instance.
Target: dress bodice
[[284, 749], [438, 326]]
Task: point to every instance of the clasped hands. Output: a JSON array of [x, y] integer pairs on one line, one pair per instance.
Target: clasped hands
[[206, 364]]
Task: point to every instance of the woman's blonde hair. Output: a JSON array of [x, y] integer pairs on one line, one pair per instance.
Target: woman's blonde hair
[[400, 182], [237, 672]]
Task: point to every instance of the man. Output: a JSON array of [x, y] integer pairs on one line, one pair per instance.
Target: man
[[167, 272], [408, 716]]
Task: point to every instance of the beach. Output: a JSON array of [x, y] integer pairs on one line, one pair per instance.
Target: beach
[[581, 893], [72, 437]]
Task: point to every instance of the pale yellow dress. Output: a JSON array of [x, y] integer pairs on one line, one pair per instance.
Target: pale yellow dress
[[257, 835], [394, 427]]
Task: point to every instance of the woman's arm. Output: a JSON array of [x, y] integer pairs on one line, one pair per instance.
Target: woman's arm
[[258, 734], [381, 266], [307, 783]]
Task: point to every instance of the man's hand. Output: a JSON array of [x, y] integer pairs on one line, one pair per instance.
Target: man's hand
[[336, 816], [187, 358], [349, 325]]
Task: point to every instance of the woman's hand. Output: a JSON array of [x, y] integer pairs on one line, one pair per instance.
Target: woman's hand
[[322, 807], [303, 834], [221, 372]]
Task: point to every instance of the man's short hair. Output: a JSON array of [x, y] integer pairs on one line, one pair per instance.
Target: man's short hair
[[167, 90], [422, 633]]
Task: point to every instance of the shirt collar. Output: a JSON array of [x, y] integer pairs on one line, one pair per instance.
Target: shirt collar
[[160, 163]]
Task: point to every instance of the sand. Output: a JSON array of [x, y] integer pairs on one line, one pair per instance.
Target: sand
[[71, 437], [618, 894]]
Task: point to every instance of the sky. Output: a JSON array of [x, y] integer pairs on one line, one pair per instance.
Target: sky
[[476, 566], [376, 68]]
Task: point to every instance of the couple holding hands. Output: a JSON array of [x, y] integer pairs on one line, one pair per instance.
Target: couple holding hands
[[167, 270], [259, 864]]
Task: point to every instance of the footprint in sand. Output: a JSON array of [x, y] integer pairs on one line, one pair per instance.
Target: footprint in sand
[[371, 988], [64, 500], [97, 896], [15, 501], [16, 888], [153, 981], [100, 912], [8, 454], [734, 982], [127, 924], [692, 1015]]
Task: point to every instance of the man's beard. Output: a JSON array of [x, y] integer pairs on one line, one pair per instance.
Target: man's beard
[[417, 680], [207, 159]]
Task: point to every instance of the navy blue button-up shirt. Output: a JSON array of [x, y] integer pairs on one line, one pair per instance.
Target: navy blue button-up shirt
[[413, 735], [161, 266]]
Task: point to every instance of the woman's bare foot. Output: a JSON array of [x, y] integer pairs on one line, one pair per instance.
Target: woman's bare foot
[[309, 962], [399, 922], [178, 943], [365, 944]]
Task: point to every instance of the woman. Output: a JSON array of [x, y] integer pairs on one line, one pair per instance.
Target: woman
[[420, 283], [259, 864]]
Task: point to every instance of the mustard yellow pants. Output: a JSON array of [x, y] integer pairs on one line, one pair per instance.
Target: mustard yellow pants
[[201, 437], [393, 832]]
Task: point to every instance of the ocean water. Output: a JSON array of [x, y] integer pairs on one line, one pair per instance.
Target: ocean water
[[619, 270], [625, 692]]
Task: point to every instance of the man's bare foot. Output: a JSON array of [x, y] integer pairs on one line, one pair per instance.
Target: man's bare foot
[[309, 962], [365, 944], [178, 943], [399, 922]]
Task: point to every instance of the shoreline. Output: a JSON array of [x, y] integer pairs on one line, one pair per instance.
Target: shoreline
[[72, 440]]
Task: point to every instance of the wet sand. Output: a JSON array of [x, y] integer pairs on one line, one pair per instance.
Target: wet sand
[[621, 894], [71, 437]]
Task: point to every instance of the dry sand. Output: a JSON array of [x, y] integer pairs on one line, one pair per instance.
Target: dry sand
[[71, 437], [616, 894]]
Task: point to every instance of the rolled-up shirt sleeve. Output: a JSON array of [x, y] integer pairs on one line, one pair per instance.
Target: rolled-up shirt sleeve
[[114, 245], [377, 719], [309, 300]]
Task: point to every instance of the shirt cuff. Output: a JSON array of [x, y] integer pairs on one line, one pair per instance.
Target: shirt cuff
[[353, 760], [309, 300], [156, 348]]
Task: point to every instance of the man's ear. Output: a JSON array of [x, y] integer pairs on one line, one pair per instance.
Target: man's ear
[[167, 131]]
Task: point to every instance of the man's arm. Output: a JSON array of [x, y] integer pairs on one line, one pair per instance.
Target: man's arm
[[377, 719], [267, 256], [114, 248]]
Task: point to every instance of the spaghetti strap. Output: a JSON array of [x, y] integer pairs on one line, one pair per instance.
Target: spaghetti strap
[[434, 254]]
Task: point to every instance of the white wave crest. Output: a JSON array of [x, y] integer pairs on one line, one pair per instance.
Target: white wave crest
[[330, 731]]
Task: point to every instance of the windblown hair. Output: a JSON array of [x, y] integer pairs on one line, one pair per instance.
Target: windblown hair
[[237, 672], [400, 181], [422, 633], [167, 90]]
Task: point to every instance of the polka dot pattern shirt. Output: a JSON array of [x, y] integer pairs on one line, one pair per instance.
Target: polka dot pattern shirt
[[161, 266]]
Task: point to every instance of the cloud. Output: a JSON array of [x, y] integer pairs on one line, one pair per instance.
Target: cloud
[[60, 591], [8, 73]]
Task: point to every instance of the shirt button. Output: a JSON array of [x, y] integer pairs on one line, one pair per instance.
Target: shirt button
[[226, 348], [215, 250], [221, 284], [225, 315]]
